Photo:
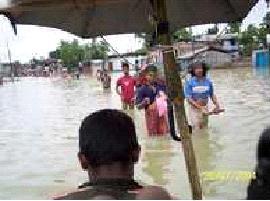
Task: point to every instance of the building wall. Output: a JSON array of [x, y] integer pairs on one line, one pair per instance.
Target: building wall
[[184, 48], [117, 62], [215, 58], [5, 69]]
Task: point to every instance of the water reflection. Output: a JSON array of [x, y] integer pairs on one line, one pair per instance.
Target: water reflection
[[206, 149], [262, 71], [156, 156]]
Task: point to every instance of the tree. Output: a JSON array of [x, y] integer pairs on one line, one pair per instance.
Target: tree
[[55, 54], [262, 32], [99, 50], [71, 53], [234, 27], [182, 34], [266, 20], [251, 38]]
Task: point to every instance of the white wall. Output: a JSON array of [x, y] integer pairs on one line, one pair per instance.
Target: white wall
[[117, 62]]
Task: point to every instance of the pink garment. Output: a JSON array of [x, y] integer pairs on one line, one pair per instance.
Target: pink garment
[[143, 66], [161, 102]]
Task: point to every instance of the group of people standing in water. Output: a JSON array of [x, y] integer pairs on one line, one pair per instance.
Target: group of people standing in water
[[148, 91], [109, 147]]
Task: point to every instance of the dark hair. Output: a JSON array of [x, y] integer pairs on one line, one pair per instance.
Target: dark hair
[[259, 187], [125, 65], [107, 136], [263, 156], [195, 65], [264, 145]]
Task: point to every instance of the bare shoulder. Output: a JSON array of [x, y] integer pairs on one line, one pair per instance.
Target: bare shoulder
[[153, 193]]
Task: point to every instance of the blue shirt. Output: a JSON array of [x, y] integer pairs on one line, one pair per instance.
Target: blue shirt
[[159, 87], [145, 91], [200, 90]]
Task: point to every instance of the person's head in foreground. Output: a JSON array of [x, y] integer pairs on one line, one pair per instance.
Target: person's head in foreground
[[108, 138], [259, 187], [108, 150]]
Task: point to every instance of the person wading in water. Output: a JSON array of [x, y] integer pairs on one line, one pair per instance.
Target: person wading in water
[[198, 90], [127, 84], [106, 80]]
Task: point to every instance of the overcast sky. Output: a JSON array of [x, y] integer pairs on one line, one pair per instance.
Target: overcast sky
[[34, 41]]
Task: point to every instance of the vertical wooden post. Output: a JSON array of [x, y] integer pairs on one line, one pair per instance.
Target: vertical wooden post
[[175, 92]]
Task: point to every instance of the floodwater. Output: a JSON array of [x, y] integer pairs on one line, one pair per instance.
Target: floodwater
[[40, 117]]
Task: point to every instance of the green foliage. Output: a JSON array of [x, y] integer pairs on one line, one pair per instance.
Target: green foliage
[[183, 34], [55, 54], [234, 27], [251, 38], [262, 32], [71, 53], [96, 50]]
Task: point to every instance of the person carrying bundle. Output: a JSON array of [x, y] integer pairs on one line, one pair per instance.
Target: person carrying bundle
[[198, 90]]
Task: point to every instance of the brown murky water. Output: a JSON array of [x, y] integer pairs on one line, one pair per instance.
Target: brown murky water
[[39, 120]]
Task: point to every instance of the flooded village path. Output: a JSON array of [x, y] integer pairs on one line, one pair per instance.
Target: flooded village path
[[39, 120]]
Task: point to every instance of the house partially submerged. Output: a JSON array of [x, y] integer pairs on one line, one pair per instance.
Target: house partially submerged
[[214, 50]]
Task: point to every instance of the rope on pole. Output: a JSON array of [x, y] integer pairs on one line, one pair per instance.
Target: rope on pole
[[114, 50]]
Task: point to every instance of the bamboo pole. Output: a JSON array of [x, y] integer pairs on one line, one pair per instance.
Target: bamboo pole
[[175, 93]]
